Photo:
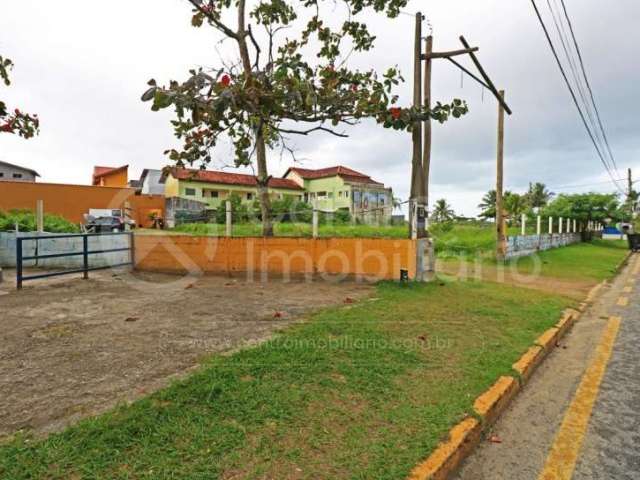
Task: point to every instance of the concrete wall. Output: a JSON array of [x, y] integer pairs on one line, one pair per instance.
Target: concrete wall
[[49, 244], [73, 201], [374, 259], [524, 245]]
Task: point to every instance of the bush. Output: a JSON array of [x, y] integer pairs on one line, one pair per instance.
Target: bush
[[26, 221]]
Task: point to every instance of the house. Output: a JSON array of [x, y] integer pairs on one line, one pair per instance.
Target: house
[[111, 176], [214, 187], [16, 173], [150, 183], [339, 187]]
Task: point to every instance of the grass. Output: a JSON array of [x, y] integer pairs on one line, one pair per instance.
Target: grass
[[26, 221], [596, 260], [457, 239], [356, 392]]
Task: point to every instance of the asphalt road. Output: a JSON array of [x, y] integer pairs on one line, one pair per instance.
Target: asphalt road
[[579, 416]]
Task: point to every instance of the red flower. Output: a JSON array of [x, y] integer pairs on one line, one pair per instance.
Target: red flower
[[354, 88], [225, 80], [17, 111], [395, 112], [7, 127]]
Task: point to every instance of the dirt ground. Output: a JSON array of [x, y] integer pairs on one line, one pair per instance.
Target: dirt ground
[[72, 348], [573, 288]]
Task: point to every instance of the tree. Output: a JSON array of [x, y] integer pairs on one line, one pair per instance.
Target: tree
[[538, 196], [277, 85], [442, 211], [515, 205], [586, 207], [24, 124], [488, 205]]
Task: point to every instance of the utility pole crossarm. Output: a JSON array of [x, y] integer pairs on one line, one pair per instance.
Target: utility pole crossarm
[[469, 73], [453, 53], [490, 84]]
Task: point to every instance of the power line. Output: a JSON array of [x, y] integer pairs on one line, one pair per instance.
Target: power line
[[564, 187], [586, 78], [573, 95]]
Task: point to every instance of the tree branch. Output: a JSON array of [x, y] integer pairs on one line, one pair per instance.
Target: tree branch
[[218, 24], [257, 47], [315, 129]]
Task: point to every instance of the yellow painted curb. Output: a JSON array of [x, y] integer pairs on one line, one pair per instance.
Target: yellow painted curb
[[492, 403], [463, 438], [566, 322], [548, 339], [593, 293], [528, 363]]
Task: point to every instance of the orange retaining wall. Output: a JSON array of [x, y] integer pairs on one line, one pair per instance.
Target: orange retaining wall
[[374, 259], [73, 201]]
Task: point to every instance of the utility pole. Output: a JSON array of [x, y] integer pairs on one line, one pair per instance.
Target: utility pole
[[501, 247], [630, 192], [426, 158], [418, 227]]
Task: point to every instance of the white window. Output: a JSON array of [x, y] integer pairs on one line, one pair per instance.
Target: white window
[[190, 192], [249, 196], [346, 194], [322, 194], [340, 194], [330, 195], [17, 175]]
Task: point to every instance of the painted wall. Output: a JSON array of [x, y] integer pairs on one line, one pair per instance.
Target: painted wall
[[73, 201], [373, 259], [524, 245], [152, 185]]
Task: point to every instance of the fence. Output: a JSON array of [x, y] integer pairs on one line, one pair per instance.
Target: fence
[[72, 252]]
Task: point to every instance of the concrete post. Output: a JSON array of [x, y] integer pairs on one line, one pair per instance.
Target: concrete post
[[560, 225], [550, 225], [40, 215], [314, 227], [539, 226], [523, 221], [229, 218], [575, 226]]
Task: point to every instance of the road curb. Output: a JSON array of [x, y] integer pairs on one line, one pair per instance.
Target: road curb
[[466, 435]]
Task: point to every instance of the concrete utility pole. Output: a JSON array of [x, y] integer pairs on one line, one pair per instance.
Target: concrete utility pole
[[630, 192], [550, 225], [426, 156], [416, 213]]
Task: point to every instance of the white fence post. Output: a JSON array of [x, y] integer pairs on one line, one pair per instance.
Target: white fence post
[[314, 220], [523, 221], [229, 219], [40, 215], [550, 225], [560, 225], [539, 225], [575, 226]]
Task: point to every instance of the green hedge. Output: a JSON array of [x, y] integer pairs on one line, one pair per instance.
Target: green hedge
[[26, 221]]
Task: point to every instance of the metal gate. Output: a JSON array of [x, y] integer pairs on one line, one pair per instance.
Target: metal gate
[[85, 253]]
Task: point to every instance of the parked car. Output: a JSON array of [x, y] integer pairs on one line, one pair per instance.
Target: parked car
[[107, 220]]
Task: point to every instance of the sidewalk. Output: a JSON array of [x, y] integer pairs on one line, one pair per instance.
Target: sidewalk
[[547, 432]]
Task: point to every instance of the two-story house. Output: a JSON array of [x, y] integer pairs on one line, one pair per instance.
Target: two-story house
[[336, 188], [213, 188]]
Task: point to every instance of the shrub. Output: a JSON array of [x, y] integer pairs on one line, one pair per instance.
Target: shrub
[[26, 221]]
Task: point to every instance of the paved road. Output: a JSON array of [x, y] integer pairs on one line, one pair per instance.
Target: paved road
[[579, 417]]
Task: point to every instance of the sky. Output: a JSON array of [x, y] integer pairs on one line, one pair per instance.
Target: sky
[[82, 66]]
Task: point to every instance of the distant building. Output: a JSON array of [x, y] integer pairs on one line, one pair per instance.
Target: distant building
[[337, 188], [150, 182], [111, 176], [16, 173], [213, 188]]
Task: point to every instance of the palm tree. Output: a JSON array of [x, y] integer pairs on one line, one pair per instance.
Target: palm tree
[[488, 204], [538, 196], [442, 211], [515, 205]]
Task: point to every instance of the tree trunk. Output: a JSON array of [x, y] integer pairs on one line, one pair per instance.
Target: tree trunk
[[261, 150], [263, 186]]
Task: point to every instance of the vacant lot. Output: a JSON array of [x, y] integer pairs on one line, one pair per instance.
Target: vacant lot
[[71, 348]]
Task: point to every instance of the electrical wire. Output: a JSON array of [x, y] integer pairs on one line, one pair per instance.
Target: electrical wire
[[586, 78], [573, 95]]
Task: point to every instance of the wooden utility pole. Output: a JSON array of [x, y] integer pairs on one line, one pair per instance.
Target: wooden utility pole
[[418, 229], [500, 224], [426, 157]]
